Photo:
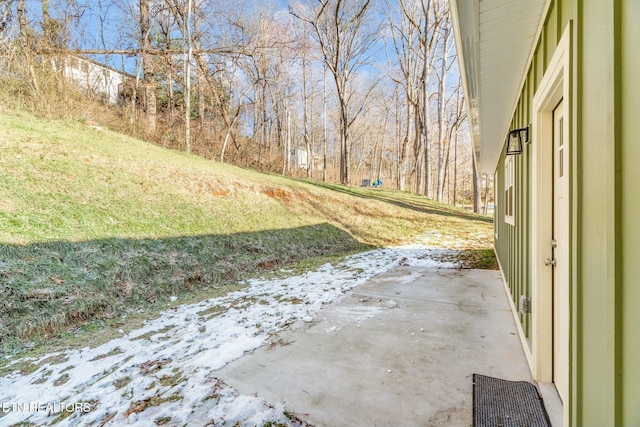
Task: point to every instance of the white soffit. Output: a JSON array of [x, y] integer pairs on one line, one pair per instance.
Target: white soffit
[[494, 39]]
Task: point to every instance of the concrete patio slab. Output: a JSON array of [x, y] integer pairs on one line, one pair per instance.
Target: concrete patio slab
[[399, 350]]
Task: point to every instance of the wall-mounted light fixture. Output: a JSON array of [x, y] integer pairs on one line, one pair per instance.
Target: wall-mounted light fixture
[[516, 138]]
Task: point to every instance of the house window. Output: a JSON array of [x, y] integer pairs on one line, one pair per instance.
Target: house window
[[509, 215], [496, 202], [84, 67]]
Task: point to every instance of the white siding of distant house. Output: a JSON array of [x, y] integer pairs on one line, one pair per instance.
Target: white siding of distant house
[[94, 77], [299, 157]]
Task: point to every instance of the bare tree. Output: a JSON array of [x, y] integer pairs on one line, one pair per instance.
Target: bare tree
[[414, 29], [194, 53], [325, 140], [446, 41], [257, 83], [165, 23], [148, 67], [405, 38], [456, 132], [303, 48], [23, 20], [345, 41], [47, 24], [260, 60], [5, 16]]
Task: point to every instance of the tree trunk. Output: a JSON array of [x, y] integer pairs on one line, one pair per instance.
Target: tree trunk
[[201, 99], [455, 167], [266, 132], [441, 124], [476, 183], [187, 102], [379, 165], [257, 133], [426, 68], [486, 195], [200, 80], [400, 148], [287, 146], [171, 100], [148, 68], [47, 24], [418, 151], [325, 140], [344, 144], [23, 21], [307, 140], [446, 178]]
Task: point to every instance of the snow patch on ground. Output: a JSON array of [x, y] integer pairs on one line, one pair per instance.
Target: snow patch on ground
[[165, 372]]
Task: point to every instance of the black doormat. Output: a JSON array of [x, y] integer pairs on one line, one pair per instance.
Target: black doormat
[[502, 403]]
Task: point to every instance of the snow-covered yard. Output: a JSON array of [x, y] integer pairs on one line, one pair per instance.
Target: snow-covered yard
[[165, 372]]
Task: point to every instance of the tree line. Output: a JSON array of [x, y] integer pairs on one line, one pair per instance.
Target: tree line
[[350, 91]]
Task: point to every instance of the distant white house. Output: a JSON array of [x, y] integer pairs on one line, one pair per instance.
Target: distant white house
[[299, 158], [97, 78]]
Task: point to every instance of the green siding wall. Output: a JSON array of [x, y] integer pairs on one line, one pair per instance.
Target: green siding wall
[[629, 177], [594, 313], [605, 204], [513, 244]]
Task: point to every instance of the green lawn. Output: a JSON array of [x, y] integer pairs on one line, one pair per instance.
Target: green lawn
[[94, 224]]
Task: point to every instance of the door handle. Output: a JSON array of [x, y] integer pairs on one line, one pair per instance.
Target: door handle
[[549, 262]]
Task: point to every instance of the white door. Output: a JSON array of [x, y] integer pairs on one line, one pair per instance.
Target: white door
[[560, 245]]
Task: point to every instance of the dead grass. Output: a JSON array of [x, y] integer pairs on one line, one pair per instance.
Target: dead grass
[[62, 379], [113, 352], [101, 229], [149, 334], [157, 400], [484, 259], [172, 380], [123, 382]]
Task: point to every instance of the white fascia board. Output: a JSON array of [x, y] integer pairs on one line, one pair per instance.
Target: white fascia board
[[471, 100]]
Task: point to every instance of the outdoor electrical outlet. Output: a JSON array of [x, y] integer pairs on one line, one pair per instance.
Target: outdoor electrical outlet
[[525, 304]]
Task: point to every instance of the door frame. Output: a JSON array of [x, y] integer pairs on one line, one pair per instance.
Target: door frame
[[554, 86], [560, 271]]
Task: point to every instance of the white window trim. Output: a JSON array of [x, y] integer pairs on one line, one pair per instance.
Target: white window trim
[[509, 185], [496, 202]]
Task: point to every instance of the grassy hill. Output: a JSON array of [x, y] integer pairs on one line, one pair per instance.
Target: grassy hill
[[94, 224]]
